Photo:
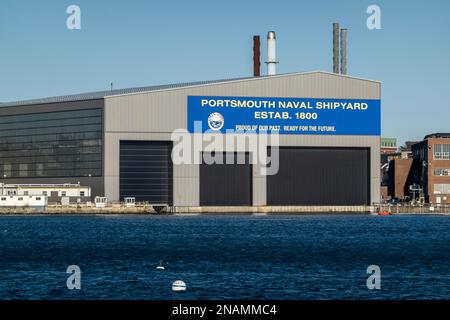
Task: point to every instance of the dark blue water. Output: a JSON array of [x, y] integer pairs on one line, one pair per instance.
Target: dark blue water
[[225, 257]]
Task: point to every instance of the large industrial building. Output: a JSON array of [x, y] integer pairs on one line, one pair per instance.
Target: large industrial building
[[119, 142]]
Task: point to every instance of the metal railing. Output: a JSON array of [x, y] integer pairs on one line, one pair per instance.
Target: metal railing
[[412, 208]]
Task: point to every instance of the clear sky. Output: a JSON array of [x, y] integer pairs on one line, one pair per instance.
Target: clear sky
[[138, 43]]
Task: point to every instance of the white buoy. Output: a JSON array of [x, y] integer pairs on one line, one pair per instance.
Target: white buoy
[[161, 266], [179, 286]]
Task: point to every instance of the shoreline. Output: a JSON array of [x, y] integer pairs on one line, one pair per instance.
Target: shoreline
[[231, 213], [185, 211], [118, 209]]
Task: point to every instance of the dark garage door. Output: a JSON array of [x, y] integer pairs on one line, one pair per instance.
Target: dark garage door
[[146, 171], [321, 176], [226, 184]]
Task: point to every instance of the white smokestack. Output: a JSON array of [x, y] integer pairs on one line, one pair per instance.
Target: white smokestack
[[271, 54]]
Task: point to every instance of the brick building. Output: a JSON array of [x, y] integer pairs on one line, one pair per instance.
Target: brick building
[[431, 167], [400, 178]]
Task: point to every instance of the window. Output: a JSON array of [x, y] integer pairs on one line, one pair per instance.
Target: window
[[81, 193], [63, 194], [25, 193], [38, 198], [446, 151], [23, 170], [3, 199], [440, 188], [20, 198], [442, 151], [6, 170], [441, 172], [39, 169], [437, 151], [44, 193]]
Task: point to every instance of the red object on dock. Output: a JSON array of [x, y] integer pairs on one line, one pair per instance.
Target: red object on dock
[[384, 213]]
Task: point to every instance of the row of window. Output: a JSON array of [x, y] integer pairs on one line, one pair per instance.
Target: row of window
[[388, 144], [441, 172], [58, 173], [442, 188], [51, 123], [18, 154], [63, 193], [19, 198], [51, 138], [442, 152], [44, 169], [54, 158], [20, 119], [51, 130], [53, 145]]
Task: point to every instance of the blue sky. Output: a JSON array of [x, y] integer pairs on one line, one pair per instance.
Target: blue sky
[[137, 43]]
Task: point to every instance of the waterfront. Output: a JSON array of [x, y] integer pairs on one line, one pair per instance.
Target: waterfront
[[225, 257]]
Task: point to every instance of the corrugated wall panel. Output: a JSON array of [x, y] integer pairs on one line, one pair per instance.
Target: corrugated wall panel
[[321, 176], [226, 184], [146, 171]]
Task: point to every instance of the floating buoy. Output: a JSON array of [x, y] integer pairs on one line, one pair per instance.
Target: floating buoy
[[179, 286], [384, 213], [161, 266]]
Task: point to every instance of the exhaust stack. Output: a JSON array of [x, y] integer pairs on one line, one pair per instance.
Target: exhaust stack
[[336, 47], [343, 51], [271, 54], [256, 56]]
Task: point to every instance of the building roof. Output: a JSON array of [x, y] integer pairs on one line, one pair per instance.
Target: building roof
[[437, 135], [106, 93], [102, 94]]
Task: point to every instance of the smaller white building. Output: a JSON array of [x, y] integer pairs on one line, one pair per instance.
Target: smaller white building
[[52, 192], [23, 201]]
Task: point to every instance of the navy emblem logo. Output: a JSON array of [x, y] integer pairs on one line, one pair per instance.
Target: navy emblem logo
[[215, 121]]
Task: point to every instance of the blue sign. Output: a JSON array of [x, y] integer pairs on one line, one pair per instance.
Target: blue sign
[[284, 115]]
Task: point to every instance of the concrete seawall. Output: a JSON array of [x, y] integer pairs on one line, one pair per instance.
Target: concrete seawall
[[145, 209], [117, 209]]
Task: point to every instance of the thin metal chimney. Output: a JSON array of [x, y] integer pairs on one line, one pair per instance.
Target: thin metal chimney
[[343, 51], [256, 56], [271, 53], [336, 47]]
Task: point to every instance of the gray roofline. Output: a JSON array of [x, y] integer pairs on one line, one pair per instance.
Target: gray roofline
[[244, 80], [167, 87]]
